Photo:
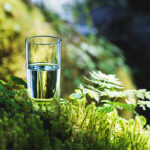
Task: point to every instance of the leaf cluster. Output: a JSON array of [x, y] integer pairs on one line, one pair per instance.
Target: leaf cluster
[[107, 90]]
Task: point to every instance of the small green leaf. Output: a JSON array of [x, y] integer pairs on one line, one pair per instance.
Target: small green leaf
[[105, 101], [75, 96], [63, 101], [19, 81], [2, 88], [12, 93], [27, 103], [77, 91], [3, 82], [119, 105], [12, 103], [105, 108], [90, 95], [131, 122], [142, 120]]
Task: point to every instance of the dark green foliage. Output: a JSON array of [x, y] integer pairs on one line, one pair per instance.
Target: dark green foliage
[[8, 95]]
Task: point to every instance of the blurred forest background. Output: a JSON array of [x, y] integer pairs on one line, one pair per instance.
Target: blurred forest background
[[108, 35]]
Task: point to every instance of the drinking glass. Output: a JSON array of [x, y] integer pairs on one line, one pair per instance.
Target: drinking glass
[[43, 66]]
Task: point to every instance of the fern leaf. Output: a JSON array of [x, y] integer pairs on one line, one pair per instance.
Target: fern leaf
[[107, 78], [119, 105], [147, 95], [144, 104], [105, 108], [91, 93], [113, 94], [131, 101], [93, 81], [110, 86], [92, 88], [141, 93], [103, 84]]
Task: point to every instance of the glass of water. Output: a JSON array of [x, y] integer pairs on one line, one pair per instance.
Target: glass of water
[[43, 65]]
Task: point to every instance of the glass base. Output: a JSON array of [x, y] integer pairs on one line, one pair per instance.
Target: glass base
[[45, 104], [44, 100]]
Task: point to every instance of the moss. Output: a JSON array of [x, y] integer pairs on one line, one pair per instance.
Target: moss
[[17, 24], [67, 125]]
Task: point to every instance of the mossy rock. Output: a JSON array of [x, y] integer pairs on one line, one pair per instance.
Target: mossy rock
[[79, 54]]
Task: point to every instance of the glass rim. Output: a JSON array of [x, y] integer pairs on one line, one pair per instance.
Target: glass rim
[[59, 40]]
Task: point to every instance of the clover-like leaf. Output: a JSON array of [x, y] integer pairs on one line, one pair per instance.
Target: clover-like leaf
[[75, 96], [19, 81]]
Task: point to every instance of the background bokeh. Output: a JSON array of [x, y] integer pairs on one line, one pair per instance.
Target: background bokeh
[[108, 35]]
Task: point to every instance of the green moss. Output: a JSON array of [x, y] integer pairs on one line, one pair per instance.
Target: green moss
[[69, 124], [17, 22]]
